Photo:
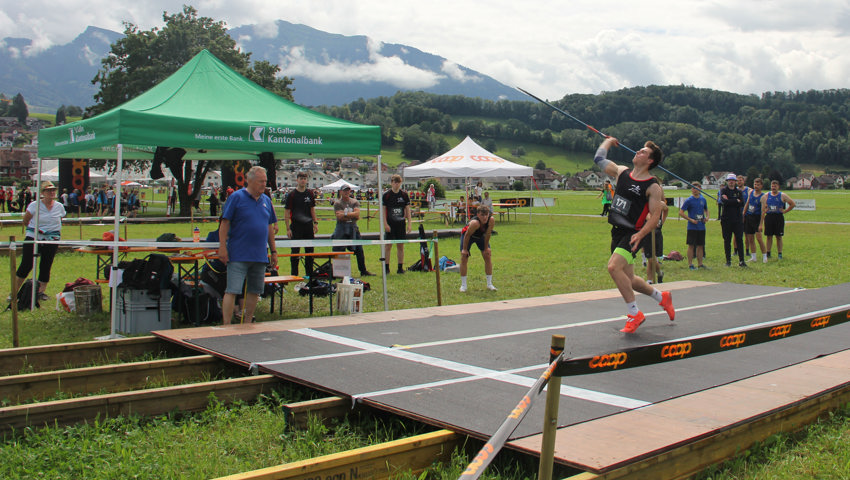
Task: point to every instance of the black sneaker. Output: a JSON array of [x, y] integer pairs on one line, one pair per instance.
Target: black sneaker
[[400, 270], [367, 273], [728, 264], [660, 277], [742, 264], [768, 254]]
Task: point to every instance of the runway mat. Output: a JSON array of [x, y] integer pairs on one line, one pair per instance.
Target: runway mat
[[466, 367]]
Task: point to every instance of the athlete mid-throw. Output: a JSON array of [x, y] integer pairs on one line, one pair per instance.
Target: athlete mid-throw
[[637, 199]]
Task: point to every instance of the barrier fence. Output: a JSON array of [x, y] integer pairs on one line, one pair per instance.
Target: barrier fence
[[638, 357]]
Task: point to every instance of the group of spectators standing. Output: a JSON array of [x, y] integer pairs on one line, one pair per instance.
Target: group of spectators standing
[[746, 214]]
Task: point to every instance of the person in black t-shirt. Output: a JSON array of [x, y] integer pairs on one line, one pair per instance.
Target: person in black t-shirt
[[397, 221], [300, 220]]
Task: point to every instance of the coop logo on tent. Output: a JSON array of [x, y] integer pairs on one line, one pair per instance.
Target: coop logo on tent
[[256, 134]]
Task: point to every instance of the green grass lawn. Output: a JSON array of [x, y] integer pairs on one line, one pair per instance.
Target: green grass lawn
[[564, 248]]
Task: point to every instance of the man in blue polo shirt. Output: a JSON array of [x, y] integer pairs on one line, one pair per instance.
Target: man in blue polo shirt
[[247, 228], [695, 210]]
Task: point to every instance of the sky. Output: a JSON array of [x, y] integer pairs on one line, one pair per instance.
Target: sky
[[552, 48]]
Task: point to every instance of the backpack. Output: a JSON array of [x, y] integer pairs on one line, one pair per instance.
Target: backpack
[[24, 297], [152, 273], [208, 311]]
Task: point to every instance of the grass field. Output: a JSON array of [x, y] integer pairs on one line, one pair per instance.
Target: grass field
[[562, 249]]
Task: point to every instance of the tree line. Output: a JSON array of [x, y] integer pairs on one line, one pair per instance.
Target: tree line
[[700, 130]]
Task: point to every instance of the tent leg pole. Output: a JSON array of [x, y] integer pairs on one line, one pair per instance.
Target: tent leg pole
[[436, 266]]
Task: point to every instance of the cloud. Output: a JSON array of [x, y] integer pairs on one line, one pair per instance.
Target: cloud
[[266, 29], [456, 72], [391, 70]]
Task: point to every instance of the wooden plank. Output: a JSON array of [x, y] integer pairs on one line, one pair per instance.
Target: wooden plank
[[678, 437], [326, 409], [375, 462], [107, 378], [688, 460], [155, 401], [54, 357]]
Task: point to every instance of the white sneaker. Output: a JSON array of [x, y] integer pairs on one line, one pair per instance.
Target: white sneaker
[[463, 289], [764, 258], [491, 287]]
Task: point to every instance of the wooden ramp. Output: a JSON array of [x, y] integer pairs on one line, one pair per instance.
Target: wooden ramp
[[465, 367], [714, 424]]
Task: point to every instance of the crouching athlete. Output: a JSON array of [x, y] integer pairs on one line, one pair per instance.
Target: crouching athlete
[[635, 210]]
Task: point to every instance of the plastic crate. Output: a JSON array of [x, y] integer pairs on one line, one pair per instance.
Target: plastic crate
[[140, 312]]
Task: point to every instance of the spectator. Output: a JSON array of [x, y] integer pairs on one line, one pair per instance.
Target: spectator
[[347, 212], [50, 214], [247, 227], [397, 221], [214, 203], [487, 202], [607, 195], [432, 196], [732, 219], [300, 221], [695, 210], [774, 206]]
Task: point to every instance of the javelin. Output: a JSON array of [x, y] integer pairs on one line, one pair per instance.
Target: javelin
[[590, 127]]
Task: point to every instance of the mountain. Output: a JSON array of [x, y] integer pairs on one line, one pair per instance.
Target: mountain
[[328, 69], [59, 75]]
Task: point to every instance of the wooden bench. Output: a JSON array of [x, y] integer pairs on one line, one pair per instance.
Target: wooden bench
[[280, 281]]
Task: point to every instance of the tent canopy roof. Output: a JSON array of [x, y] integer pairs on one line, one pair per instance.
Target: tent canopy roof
[[214, 113], [53, 175], [332, 187], [468, 159]]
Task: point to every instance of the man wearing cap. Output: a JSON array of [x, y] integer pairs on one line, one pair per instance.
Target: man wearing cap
[[347, 211], [50, 214], [731, 219]]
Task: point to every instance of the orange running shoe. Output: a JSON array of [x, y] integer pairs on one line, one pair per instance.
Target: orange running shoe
[[667, 305], [633, 322]]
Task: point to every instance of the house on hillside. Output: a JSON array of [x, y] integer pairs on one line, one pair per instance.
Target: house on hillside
[[803, 182], [714, 180], [591, 179], [15, 163], [826, 182], [547, 179]]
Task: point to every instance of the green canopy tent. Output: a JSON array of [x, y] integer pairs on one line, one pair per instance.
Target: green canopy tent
[[212, 112]]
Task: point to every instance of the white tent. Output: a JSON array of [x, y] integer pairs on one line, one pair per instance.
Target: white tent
[[468, 159], [53, 176], [333, 187]]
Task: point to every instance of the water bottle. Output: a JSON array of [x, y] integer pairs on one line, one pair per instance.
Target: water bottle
[[196, 235]]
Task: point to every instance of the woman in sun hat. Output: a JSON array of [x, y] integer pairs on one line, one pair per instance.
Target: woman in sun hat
[[50, 216]]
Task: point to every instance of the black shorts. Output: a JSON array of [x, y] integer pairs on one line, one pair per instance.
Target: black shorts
[[751, 224], [397, 231], [620, 238], [646, 244], [696, 238], [774, 224], [473, 240]]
